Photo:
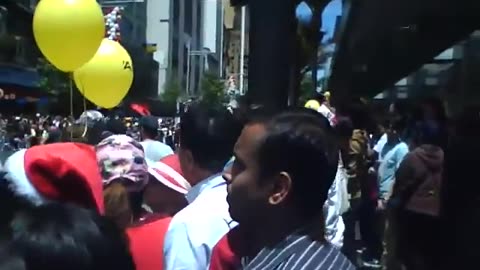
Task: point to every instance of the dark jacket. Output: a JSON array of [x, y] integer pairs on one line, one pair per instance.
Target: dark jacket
[[418, 181]]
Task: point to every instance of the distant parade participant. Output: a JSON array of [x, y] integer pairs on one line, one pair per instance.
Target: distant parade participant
[[154, 150]]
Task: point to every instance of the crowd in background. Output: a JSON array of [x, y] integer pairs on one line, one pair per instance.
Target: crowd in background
[[23, 131], [248, 189]]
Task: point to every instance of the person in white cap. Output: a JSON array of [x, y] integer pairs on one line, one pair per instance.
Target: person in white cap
[[166, 190], [165, 194]]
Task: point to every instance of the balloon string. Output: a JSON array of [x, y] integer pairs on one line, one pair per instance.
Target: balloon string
[[71, 104], [85, 129]]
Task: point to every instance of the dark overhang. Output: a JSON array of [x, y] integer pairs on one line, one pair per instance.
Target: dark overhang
[[383, 41]]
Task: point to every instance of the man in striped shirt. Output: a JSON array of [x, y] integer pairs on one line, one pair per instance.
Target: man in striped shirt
[[279, 182]]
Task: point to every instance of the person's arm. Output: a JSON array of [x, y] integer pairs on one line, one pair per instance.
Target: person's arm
[[404, 179]]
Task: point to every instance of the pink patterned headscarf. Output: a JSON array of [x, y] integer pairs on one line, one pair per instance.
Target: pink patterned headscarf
[[120, 157]]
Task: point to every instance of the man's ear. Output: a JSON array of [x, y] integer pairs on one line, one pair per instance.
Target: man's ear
[[281, 187]]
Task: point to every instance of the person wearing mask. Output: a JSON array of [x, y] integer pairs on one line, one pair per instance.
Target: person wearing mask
[[275, 200], [154, 150], [207, 137]]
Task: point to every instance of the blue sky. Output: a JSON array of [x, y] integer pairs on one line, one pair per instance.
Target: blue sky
[[329, 17]]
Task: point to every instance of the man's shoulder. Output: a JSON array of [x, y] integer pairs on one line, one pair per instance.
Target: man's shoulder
[[208, 207], [200, 225], [161, 145], [326, 256]]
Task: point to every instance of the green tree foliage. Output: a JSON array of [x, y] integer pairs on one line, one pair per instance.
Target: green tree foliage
[[307, 89], [213, 90], [52, 80], [309, 35], [172, 91]]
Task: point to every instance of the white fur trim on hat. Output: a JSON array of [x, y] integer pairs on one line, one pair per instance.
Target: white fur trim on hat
[[18, 180]]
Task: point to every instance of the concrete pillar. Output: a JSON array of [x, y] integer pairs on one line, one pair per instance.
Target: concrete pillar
[[272, 38]]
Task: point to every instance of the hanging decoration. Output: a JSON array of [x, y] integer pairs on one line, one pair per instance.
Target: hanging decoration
[[113, 17]]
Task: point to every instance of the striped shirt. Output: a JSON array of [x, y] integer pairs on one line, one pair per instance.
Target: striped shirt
[[299, 252]]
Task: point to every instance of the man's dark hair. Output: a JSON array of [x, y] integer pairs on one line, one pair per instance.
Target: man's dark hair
[[210, 134], [61, 236], [115, 126], [301, 143], [344, 127], [397, 123], [149, 125], [358, 112], [9, 204]]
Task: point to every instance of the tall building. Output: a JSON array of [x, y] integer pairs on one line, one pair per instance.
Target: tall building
[[196, 40], [18, 51], [157, 37], [233, 44]]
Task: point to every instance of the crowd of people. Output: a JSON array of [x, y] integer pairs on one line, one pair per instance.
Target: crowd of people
[[248, 189]]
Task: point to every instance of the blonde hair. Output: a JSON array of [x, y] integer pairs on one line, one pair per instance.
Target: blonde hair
[[117, 205]]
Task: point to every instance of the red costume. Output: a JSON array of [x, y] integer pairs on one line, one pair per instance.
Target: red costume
[[227, 253], [147, 236], [146, 242]]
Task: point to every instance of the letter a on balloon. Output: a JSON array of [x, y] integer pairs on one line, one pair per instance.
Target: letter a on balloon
[[106, 79]]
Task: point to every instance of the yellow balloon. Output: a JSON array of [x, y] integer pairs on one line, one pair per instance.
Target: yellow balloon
[[68, 32], [313, 104], [107, 77]]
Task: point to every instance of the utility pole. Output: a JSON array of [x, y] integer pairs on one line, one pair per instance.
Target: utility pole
[[242, 50], [272, 49], [203, 54]]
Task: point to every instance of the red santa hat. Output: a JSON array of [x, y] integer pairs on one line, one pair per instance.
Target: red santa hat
[[61, 172], [168, 172]]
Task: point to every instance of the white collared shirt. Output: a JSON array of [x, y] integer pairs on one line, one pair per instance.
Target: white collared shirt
[[196, 229]]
